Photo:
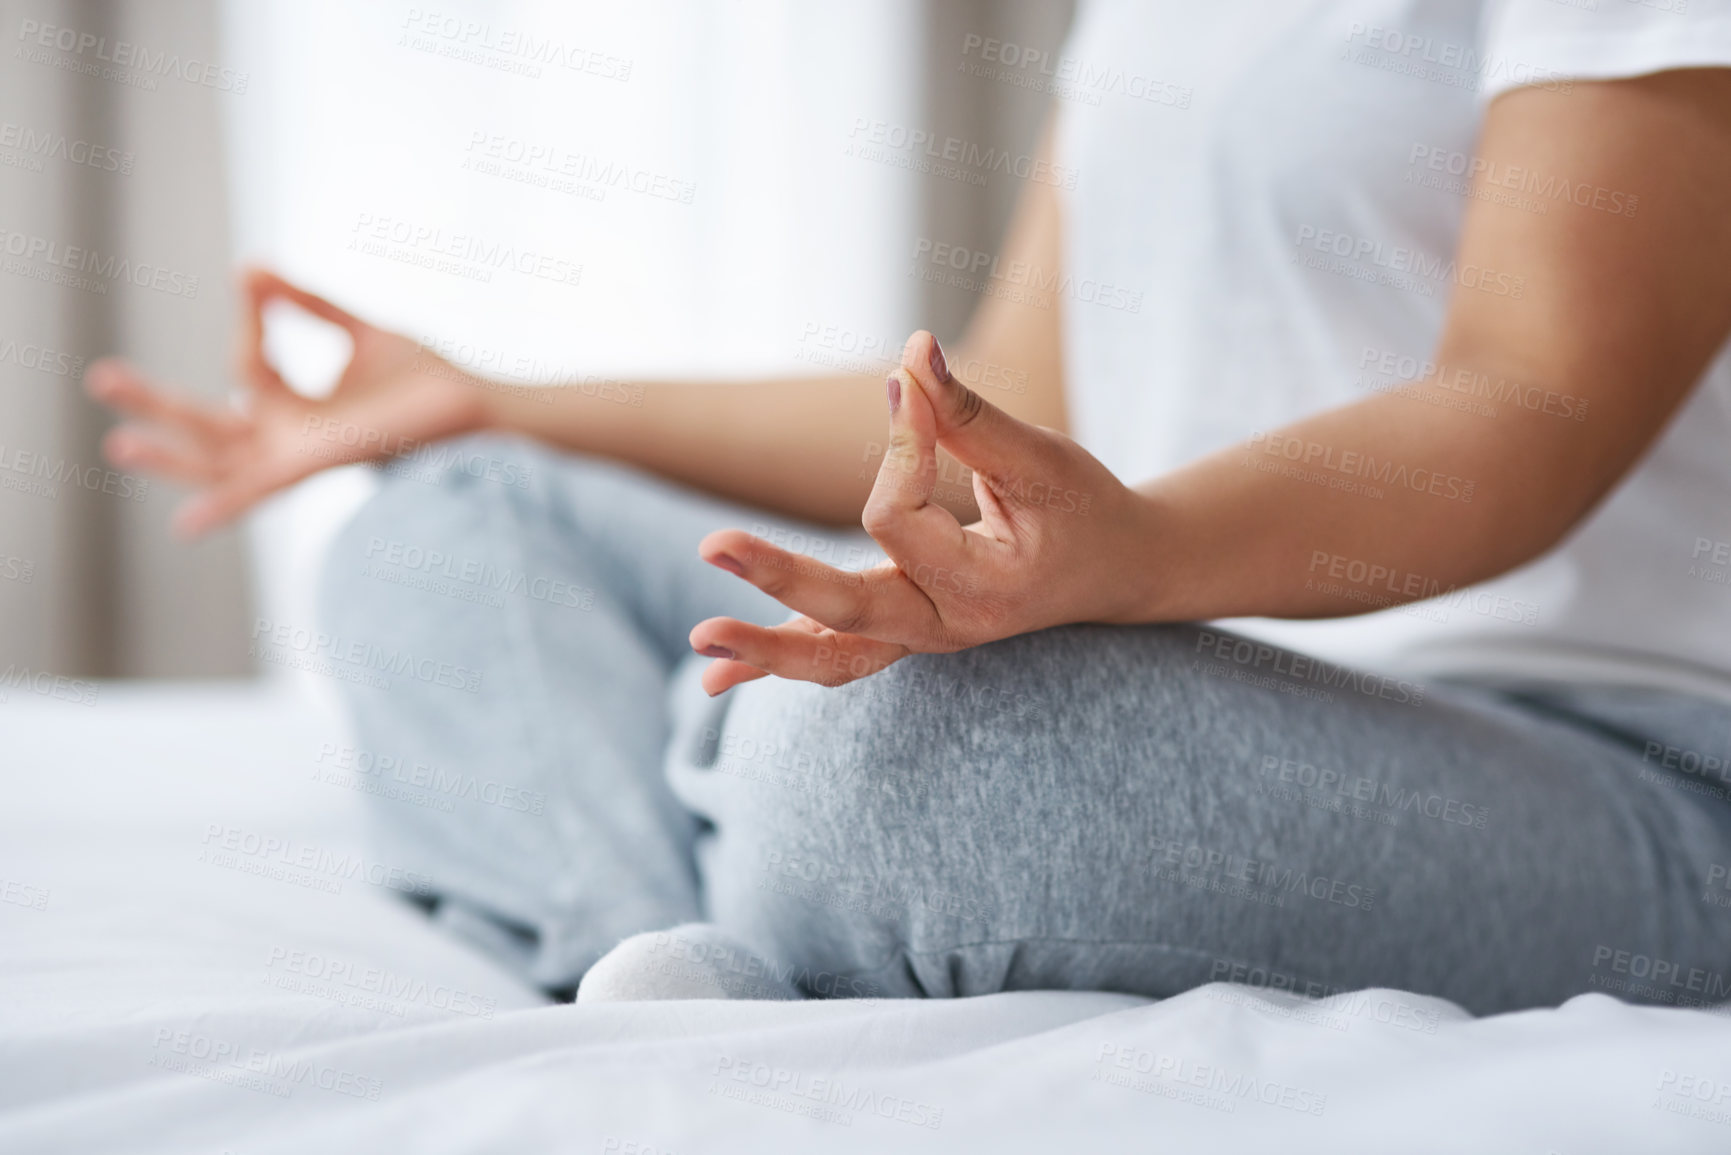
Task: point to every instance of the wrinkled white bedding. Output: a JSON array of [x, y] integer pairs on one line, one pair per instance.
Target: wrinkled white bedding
[[156, 995]]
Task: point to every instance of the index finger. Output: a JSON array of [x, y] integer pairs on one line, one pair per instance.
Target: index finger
[[879, 602], [899, 514], [260, 287]]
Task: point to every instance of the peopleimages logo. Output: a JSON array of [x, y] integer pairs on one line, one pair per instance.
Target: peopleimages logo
[[226, 845], [340, 979], [111, 268], [278, 641], [822, 1097], [43, 684], [980, 160], [421, 460], [1449, 62], [42, 476], [1650, 975], [465, 254], [1174, 860], [1392, 797], [519, 50], [1371, 260], [720, 963], [541, 162], [1257, 656], [45, 144], [1473, 383], [1385, 586], [1118, 1064], [1353, 463], [123, 54], [40, 358], [476, 571], [1018, 280], [376, 773], [253, 1068], [23, 894], [1067, 76], [1543, 187]]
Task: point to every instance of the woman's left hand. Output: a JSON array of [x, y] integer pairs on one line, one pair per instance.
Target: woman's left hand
[[1059, 540]]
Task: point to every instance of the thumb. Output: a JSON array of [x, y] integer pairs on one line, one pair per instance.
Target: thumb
[[973, 430]]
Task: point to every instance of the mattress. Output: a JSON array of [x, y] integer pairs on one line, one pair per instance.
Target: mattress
[[160, 990]]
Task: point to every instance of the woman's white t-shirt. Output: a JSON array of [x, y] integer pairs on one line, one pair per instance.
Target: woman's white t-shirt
[[1267, 199]]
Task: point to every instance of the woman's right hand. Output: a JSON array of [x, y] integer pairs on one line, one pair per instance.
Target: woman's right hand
[[392, 397]]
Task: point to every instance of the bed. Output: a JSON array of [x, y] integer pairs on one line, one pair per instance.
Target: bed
[[164, 986]]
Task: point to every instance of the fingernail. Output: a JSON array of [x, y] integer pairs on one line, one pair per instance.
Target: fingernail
[[717, 652], [938, 366], [893, 386], [729, 563]]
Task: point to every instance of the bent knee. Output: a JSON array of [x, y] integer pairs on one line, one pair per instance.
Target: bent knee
[[825, 792], [889, 770], [436, 511], [847, 821], [815, 753]]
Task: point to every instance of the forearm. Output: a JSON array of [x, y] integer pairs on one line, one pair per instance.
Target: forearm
[[1369, 506], [806, 447]]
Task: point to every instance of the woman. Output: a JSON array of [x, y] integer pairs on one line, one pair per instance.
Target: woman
[[1393, 302]]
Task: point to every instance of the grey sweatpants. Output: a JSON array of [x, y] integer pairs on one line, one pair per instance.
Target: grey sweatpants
[[1138, 809]]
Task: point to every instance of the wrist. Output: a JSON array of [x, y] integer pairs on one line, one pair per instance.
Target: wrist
[[491, 406], [1152, 543]]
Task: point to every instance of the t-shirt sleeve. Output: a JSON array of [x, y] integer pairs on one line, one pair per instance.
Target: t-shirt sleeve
[[1553, 42]]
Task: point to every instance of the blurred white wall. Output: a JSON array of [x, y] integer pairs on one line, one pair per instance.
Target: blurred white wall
[[734, 118]]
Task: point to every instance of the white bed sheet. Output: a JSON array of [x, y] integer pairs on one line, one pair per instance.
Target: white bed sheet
[[155, 1000]]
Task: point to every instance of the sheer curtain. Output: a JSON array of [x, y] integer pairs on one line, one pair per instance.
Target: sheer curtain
[[674, 177]]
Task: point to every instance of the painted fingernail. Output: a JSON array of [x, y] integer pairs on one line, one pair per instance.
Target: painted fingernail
[[938, 366], [717, 652], [729, 563], [893, 387]]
